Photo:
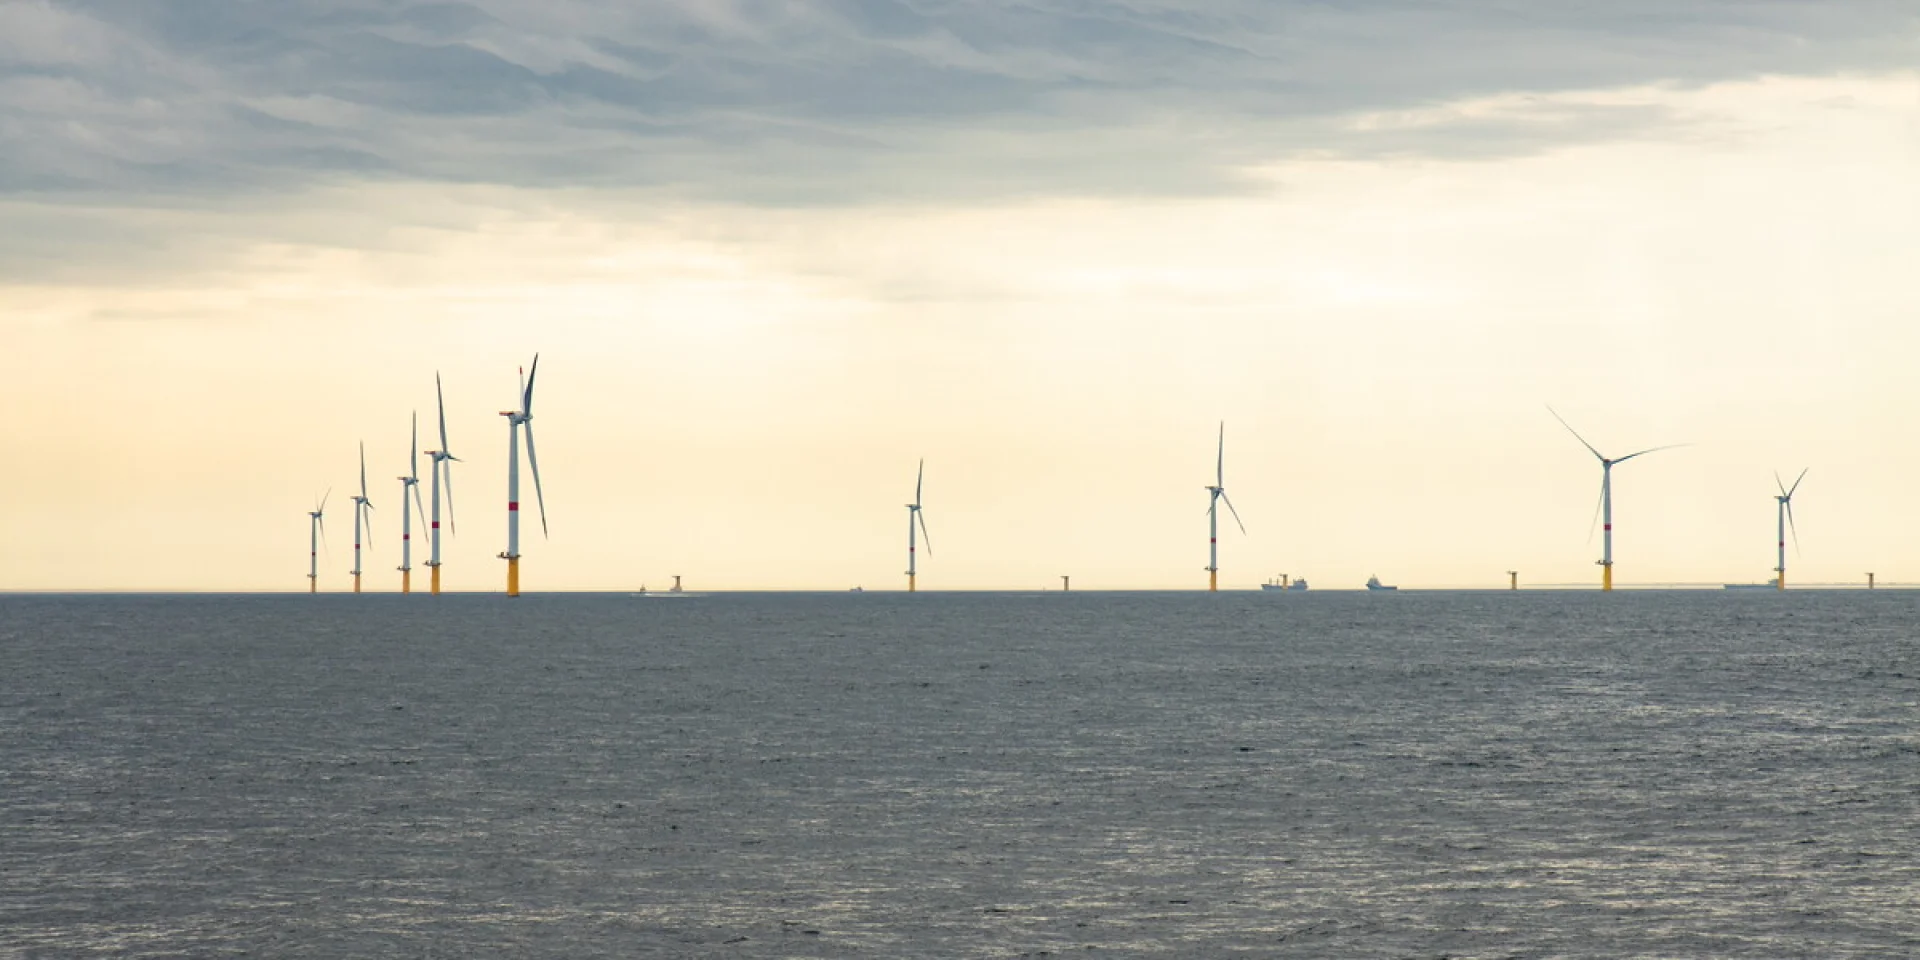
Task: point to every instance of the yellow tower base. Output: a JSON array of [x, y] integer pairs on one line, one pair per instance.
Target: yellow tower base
[[1780, 582], [356, 583], [513, 576], [406, 581], [911, 586], [436, 580], [1213, 581], [1606, 577]]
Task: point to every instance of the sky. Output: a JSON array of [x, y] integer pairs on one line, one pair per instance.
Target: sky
[[773, 254]]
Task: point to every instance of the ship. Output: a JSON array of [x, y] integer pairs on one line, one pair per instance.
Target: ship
[[1285, 584], [1768, 585], [1373, 583], [674, 591]]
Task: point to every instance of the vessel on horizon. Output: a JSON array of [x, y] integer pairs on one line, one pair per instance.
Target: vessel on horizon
[[673, 591], [1285, 584], [1373, 583]]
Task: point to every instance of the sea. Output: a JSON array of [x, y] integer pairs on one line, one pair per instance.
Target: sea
[[1325, 775]]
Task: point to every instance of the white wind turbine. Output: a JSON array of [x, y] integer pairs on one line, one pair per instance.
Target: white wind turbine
[[518, 420], [1605, 507], [316, 532], [1783, 506], [361, 506], [410, 483], [443, 462], [915, 516], [1215, 494]]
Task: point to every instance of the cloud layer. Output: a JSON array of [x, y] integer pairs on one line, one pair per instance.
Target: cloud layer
[[847, 100]]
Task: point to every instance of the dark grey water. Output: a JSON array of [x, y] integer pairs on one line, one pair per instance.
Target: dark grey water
[[1466, 775]]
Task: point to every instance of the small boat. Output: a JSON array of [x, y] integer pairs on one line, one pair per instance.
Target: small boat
[[1373, 583], [1285, 584], [1769, 585], [858, 590]]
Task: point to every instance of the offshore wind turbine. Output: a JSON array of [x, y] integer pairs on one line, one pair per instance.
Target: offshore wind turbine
[[361, 505], [443, 462], [1215, 494], [410, 483], [915, 516], [1605, 508], [1783, 508], [316, 532], [518, 420]]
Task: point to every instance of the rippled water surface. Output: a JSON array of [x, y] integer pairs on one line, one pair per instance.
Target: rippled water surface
[[1465, 775]]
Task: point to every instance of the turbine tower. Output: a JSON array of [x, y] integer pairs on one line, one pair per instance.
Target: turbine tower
[[316, 532], [914, 516], [1784, 510], [516, 421], [1215, 494], [410, 483], [1606, 495], [443, 462], [361, 505]]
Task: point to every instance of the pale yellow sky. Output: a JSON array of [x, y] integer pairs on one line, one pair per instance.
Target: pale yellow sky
[[739, 392]]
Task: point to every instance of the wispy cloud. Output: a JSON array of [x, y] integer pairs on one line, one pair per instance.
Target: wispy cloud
[[846, 100]]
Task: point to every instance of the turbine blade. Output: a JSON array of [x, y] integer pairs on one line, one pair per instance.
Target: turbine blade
[[1796, 484], [526, 394], [1791, 526], [363, 470], [1230, 509], [533, 461], [440, 396], [322, 508], [370, 538], [1576, 433], [1220, 462], [413, 449], [419, 505], [924, 535], [919, 481], [1597, 504], [1670, 446], [447, 464]]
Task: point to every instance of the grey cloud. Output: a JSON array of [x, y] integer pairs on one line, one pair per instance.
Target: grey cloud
[[837, 101]]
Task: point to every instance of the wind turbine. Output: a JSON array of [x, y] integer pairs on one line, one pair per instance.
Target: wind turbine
[[410, 482], [914, 516], [1215, 494], [443, 462], [316, 532], [1784, 509], [516, 420], [1606, 494], [361, 505]]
